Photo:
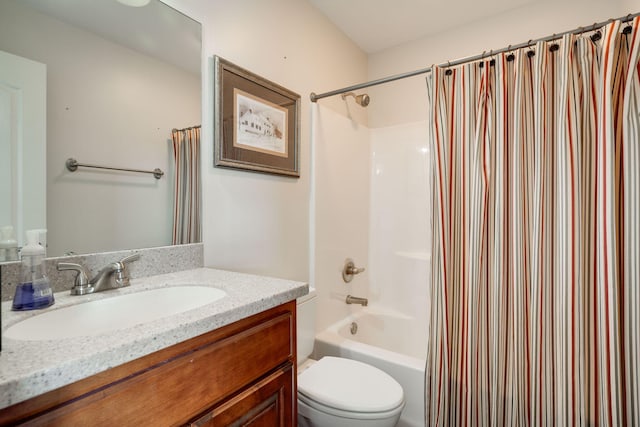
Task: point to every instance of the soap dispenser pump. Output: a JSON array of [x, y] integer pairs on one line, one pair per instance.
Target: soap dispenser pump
[[34, 290]]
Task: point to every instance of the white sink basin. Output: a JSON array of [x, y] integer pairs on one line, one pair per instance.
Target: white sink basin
[[110, 314]]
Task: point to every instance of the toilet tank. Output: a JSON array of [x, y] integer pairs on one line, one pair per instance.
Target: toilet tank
[[306, 325]]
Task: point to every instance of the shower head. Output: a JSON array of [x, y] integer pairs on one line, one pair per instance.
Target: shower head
[[362, 100]]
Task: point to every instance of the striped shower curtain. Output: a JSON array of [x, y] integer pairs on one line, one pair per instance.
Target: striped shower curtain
[[535, 297], [186, 203]]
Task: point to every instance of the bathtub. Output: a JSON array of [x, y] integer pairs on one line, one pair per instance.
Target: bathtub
[[395, 343]]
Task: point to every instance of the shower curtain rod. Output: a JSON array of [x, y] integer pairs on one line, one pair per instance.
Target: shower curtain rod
[[315, 97]]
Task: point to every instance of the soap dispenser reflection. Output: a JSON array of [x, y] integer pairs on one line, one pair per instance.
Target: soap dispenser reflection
[[8, 244], [34, 290]]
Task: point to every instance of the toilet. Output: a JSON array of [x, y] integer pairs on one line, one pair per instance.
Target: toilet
[[339, 392]]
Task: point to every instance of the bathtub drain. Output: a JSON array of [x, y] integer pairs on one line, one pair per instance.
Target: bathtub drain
[[354, 328]]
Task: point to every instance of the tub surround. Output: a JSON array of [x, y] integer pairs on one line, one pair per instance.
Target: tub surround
[[30, 368]]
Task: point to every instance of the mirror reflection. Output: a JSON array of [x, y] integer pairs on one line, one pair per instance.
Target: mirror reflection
[[109, 83]]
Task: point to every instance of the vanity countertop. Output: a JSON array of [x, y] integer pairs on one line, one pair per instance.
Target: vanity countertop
[[30, 368]]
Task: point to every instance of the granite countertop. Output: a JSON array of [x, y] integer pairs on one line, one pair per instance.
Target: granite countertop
[[30, 368]]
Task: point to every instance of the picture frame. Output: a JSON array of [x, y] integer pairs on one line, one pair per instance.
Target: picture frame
[[257, 122]]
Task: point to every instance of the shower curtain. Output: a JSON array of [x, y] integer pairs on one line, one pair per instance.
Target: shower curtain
[[535, 295], [186, 204]]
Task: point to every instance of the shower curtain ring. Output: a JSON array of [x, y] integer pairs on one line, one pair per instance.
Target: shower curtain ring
[[629, 28], [510, 56], [448, 72], [531, 52], [481, 64]]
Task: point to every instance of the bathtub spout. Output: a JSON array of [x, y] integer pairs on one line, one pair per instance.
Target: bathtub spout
[[357, 300]]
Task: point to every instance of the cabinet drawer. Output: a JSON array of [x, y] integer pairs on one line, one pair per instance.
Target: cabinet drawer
[[267, 403], [171, 391]]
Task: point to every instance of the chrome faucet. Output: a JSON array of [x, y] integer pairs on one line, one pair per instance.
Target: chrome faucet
[[357, 300], [114, 275]]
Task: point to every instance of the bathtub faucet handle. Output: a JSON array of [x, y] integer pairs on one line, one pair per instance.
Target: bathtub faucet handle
[[350, 270], [354, 270]]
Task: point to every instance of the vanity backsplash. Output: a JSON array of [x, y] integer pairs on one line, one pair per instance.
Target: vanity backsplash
[[160, 260]]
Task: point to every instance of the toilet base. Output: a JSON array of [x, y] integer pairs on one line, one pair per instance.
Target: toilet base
[[311, 417]]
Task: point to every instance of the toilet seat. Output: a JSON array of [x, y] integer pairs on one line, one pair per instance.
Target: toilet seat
[[350, 389]]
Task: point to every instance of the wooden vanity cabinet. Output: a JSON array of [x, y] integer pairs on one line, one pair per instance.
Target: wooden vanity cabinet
[[242, 374], [265, 404]]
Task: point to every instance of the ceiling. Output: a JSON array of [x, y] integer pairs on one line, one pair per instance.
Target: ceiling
[[375, 25]]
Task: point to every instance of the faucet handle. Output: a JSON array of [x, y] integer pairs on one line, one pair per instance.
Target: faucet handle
[[82, 278], [130, 258], [81, 285], [349, 270], [121, 273]]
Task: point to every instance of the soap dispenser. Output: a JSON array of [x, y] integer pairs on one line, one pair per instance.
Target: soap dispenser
[[8, 244], [34, 290]]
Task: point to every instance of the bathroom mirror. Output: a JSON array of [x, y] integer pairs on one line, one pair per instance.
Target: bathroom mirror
[[118, 80]]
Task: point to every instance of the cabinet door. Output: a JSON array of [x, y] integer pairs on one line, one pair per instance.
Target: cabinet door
[[268, 403]]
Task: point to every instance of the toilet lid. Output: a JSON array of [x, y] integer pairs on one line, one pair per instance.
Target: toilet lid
[[350, 385]]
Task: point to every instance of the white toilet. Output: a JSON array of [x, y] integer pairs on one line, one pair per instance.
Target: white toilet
[[338, 392]]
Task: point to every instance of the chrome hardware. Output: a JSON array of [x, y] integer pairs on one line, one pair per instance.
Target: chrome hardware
[[357, 300], [81, 285], [349, 270], [354, 328], [72, 166], [362, 100], [114, 275]]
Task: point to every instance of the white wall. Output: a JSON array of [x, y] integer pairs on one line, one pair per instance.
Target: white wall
[[89, 210], [253, 222], [405, 101], [631, 6]]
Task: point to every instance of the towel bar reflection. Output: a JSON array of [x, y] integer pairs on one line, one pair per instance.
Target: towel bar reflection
[[72, 165]]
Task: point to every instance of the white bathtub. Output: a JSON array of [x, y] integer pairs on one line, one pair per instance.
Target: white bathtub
[[395, 343]]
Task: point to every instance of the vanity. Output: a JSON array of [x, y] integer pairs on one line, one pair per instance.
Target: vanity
[[225, 362], [228, 360]]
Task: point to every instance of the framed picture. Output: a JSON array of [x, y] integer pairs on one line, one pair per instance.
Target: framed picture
[[257, 122]]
